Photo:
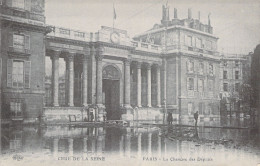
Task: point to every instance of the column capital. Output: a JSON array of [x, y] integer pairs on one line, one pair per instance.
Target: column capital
[[148, 66], [70, 56], [99, 57], [127, 61], [55, 54], [100, 50], [157, 65], [138, 64], [85, 57], [87, 51]]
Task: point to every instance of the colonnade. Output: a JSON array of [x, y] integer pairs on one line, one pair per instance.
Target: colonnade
[[70, 56]]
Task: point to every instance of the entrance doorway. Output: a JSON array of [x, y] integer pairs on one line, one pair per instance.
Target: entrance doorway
[[111, 92], [111, 99]]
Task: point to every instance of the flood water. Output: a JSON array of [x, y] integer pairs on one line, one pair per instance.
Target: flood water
[[116, 144]]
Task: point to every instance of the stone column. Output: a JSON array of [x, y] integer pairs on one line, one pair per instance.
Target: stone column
[[99, 87], [139, 85], [55, 78], [164, 79], [99, 79], [85, 81], [70, 59], [127, 63], [93, 74], [158, 79], [149, 87]]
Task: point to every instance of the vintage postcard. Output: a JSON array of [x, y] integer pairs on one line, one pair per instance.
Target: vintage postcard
[[130, 82]]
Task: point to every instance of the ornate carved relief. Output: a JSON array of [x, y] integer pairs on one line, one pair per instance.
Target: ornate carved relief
[[110, 72]]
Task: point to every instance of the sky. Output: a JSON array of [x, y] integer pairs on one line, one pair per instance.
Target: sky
[[235, 22]]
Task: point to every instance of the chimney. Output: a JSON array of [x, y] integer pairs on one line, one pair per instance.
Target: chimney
[[209, 19], [189, 13], [199, 15], [175, 13], [163, 12]]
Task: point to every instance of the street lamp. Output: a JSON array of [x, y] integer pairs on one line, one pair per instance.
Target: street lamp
[[165, 111]]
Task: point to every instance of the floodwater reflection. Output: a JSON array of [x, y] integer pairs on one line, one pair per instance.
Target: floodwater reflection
[[135, 143]]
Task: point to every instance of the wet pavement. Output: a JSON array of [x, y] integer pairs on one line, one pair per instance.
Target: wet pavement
[[150, 144]]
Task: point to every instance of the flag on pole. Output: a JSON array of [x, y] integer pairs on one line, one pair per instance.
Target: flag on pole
[[114, 12]]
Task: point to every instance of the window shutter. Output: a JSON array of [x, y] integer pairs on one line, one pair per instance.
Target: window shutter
[[10, 39], [28, 5], [9, 73], [27, 74], [187, 84], [187, 65], [27, 42]]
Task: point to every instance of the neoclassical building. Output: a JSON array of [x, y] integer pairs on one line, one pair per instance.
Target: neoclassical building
[[171, 68]]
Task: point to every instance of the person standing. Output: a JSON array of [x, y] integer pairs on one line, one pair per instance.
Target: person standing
[[196, 116], [169, 118]]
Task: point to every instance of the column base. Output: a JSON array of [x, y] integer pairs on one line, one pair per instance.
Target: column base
[[55, 105], [127, 113], [101, 113]]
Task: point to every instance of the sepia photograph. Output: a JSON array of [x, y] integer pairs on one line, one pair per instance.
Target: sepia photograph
[[130, 82]]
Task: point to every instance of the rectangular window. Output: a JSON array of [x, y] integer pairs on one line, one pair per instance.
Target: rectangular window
[[201, 85], [18, 4], [18, 41], [237, 86], [190, 66], [225, 75], [201, 70], [209, 45], [211, 85], [225, 63], [190, 84], [189, 41], [225, 87], [236, 63], [211, 69], [18, 73], [190, 105], [236, 75], [16, 108], [198, 43]]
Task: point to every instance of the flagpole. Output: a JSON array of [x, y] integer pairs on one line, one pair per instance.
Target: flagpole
[[113, 15]]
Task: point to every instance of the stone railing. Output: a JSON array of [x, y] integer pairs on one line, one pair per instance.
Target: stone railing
[[86, 36], [147, 47], [70, 34]]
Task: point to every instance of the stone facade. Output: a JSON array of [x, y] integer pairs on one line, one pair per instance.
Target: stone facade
[[174, 68], [22, 54]]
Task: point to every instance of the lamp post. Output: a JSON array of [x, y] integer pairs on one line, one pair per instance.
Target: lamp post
[[165, 112]]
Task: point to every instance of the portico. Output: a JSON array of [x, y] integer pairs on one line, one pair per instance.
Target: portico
[[115, 78]]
